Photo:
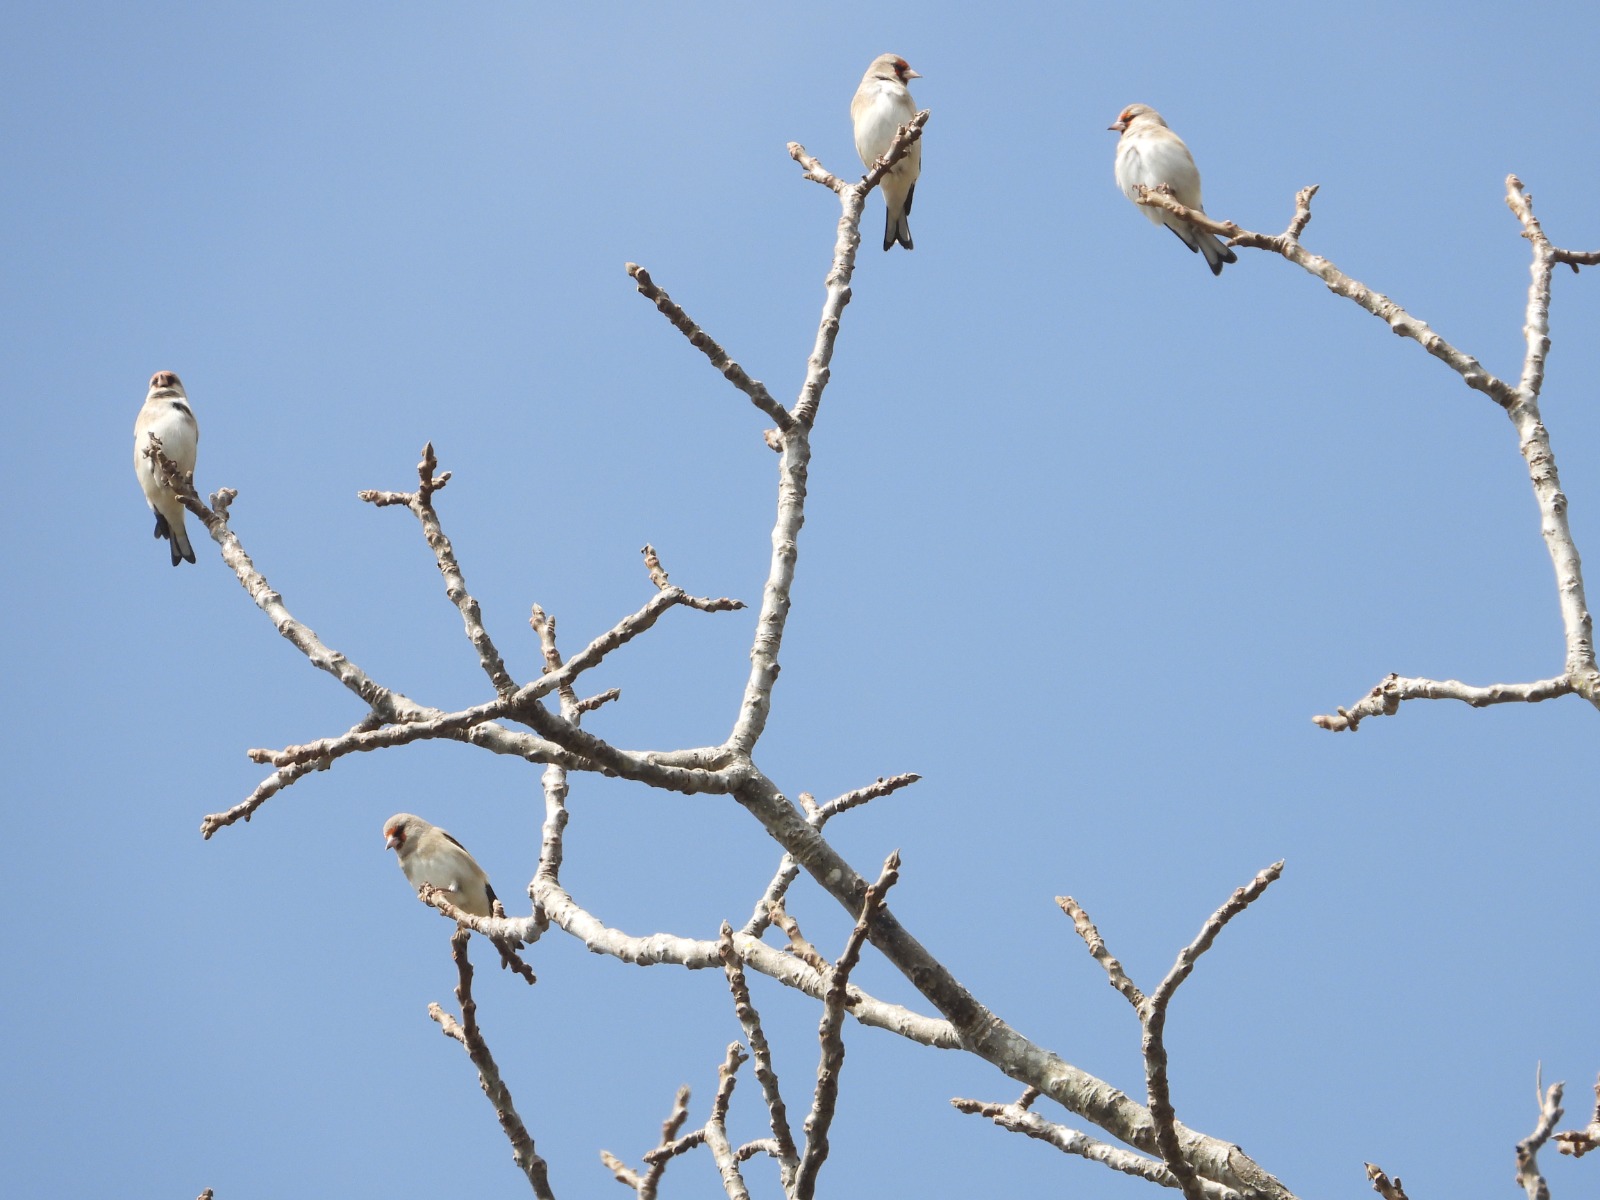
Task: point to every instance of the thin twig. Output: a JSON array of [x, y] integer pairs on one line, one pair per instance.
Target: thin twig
[[717, 1128], [420, 502], [830, 1032], [1018, 1119], [1097, 948], [466, 1032], [1153, 1014], [702, 341], [760, 1056]]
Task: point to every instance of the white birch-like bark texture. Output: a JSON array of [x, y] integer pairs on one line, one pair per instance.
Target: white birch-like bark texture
[[1580, 675], [1146, 1141]]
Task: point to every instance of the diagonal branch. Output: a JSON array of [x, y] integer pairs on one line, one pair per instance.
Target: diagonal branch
[[1097, 949], [702, 341], [1386, 310], [761, 1056], [1520, 402], [466, 1032], [1153, 1014], [390, 706], [1018, 1119], [420, 502]]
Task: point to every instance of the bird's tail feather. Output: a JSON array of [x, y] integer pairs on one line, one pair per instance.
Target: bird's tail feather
[[1216, 253], [896, 229]]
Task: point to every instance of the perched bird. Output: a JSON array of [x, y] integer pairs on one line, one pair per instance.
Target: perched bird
[[1150, 153], [166, 413], [429, 855], [881, 105]]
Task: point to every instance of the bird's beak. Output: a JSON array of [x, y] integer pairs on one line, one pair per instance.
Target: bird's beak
[[391, 842], [910, 74], [1119, 127]]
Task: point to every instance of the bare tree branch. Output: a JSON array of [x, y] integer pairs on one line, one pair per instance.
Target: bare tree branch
[[831, 1034], [1389, 1189], [1153, 1013], [420, 502], [1385, 699], [1578, 1142], [466, 1032], [1528, 1177], [1097, 948], [700, 340], [1521, 404], [566, 915], [1018, 1119], [761, 1057], [716, 1126]]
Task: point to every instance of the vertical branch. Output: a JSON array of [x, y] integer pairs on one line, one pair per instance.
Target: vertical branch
[[831, 1034], [1534, 441], [1528, 1177], [717, 1127], [796, 457], [761, 1056]]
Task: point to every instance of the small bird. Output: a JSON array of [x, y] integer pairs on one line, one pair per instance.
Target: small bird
[[166, 413], [429, 855], [881, 105], [1150, 153]]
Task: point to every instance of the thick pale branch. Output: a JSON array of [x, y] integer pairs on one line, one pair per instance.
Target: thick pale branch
[[1528, 1177], [702, 341], [695, 955], [983, 1032], [818, 815], [1521, 403], [1385, 699], [1534, 441]]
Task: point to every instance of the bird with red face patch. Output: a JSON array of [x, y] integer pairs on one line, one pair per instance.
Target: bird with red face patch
[[882, 104], [166, 413], [1149, 153], [429, 855]]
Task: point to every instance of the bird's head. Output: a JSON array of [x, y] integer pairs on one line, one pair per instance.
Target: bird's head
[[165, 381], [399, 830], [1131, 114], [892, 66]]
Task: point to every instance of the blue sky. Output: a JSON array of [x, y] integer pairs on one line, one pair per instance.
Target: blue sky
[[1091, 536]]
